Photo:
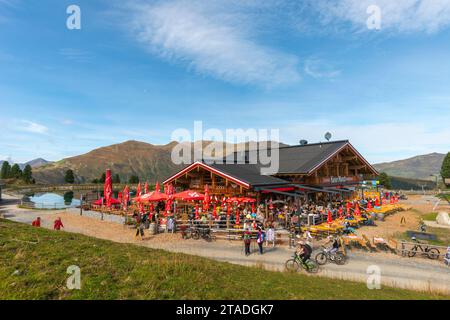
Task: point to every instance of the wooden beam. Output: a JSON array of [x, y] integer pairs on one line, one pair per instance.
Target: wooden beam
[[349, 158], [362, 166]]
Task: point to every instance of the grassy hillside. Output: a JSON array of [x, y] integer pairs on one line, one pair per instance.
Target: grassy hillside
[[411, 184], [33, 265], [419, 167]]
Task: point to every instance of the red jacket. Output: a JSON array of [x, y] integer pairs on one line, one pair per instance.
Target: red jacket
[[58, 224]]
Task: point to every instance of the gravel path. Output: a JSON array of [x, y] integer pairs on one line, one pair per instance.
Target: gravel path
[[410, 273]]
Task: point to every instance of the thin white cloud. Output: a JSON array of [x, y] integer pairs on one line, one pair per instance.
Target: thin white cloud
[[33, 127], [213, 39], [75, 54], [319, 69], [396, 15]]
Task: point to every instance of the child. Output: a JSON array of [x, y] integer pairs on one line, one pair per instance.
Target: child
[[57, 225], [37, 222]]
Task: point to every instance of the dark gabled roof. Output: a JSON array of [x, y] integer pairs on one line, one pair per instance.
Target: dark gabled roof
[[302, 159], [305, 158], [250, 173]]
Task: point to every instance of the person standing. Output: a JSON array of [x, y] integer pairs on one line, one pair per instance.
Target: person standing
[[247, 242], [270, 236], [260, 240]]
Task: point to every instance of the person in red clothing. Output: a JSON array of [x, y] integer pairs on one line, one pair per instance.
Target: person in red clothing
[[58, 224], [37, 222]]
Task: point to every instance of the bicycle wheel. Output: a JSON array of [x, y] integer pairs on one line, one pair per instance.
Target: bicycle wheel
[[340, 259], [207, 237], [195, 235], [433, 253], [321, 258], [292, 265], [412, 252], [311, 266]]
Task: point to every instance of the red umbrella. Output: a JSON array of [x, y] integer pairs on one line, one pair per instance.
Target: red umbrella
[[168, 189], [357, 210], [107, 189], [246, 200], [329, 217], [189, 195], [126, 197], [138, 190], [98, 202], [206, 199], [233, 200], [157, 196]]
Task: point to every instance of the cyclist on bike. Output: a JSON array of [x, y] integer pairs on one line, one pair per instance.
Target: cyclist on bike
[[334, 245], [303, 250]]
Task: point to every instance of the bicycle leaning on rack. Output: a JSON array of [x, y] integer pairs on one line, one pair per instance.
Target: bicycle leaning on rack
[[430, 252]]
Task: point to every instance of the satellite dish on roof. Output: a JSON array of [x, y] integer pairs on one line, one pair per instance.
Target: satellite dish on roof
[[328, 136], [303, 142]]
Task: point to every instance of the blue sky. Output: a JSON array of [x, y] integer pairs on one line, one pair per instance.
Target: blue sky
[[141, 69]]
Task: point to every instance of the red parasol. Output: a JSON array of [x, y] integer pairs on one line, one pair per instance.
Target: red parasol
[[246, 200], [107, 189], [138, 190], [329, 217], [101, 201], [233, 200], [357, 210], [126, 197], [189, 195], [206, 199]]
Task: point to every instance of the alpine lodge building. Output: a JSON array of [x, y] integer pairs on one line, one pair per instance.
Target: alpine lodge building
[[319, 172]]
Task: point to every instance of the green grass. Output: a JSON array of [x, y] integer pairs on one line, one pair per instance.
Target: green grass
[[123, 271], [444, 196], [431, 216]]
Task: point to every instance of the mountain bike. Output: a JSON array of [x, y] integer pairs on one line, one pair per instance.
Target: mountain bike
[[431, 253], [201, 233], [325, 255], [296, 263]]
